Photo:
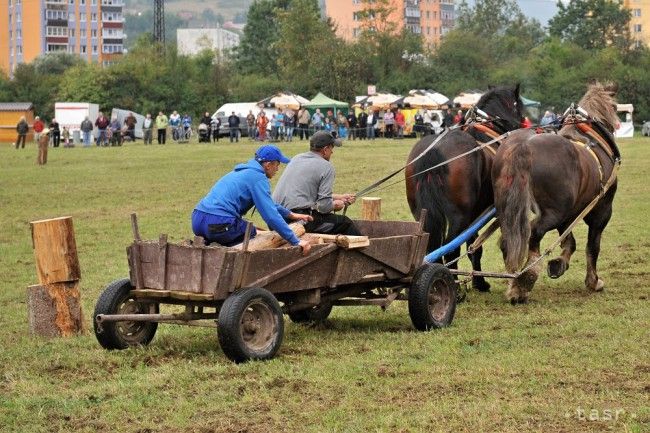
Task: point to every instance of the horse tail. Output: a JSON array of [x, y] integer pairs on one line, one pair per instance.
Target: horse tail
[[429, 194], [514, 200]]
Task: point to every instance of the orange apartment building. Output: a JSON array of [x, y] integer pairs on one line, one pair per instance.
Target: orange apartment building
[[640, 21], [430, 18], [94, 29]]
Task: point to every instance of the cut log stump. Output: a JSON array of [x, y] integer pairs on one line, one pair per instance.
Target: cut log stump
[[371, 208], [55, 250], [55, 310]]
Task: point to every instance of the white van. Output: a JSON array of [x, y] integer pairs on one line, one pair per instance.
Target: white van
[[241, 109]]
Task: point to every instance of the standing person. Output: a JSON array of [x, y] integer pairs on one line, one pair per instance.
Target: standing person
[[66, 137], [86, 131], [22, 128], [147, 129], [161, 127], [448, 120], [352, 124], [116, 132], [38, 128], [55, 132], [419, 124], [400, 122], [317, 120], [389, 123], [279, 125], [215, 124], [306, 187], [186, 121], [261, 122], [43, 143], [233, 124], [102, 123], [218, 216], [362, 124], [250, 123], [372, 121], [289, 124], [129, 123], [175, 124], [343, 126], [303, 123]]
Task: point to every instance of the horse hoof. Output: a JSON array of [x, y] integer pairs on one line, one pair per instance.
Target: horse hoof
[[600, 285], [556, 268], [481, 285]]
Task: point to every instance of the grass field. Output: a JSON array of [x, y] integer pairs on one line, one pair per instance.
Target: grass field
[[569, 361]]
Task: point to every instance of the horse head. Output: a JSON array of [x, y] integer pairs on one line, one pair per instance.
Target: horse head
[[600, 103], [503, 102]]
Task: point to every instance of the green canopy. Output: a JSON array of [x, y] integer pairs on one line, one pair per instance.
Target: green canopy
[[322, 101]]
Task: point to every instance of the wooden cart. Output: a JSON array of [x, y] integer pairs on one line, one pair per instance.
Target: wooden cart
[[247, 292]]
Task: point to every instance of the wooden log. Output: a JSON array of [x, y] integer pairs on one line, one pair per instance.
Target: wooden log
[[270, 239], [55, 250], [55, 309], [371, 208], [344, 241]]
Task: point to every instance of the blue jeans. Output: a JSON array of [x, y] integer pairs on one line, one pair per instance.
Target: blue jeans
[[234, 133], [101, 137], [370, 132], [86, 138], [226, 231]]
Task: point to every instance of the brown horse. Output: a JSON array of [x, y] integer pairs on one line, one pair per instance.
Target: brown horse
[[456, 194], [556, 176]]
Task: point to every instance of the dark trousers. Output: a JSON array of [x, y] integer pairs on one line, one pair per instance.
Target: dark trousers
[[234, 133], [304, 130], [162, 136], [56, 138], [329, 223], [21, 139]]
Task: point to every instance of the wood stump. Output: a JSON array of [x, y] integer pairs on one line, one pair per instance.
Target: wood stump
[[371, 208], [54, 305]]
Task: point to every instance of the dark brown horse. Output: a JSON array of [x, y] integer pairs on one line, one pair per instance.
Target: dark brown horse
[[454, 195], [556, 176]]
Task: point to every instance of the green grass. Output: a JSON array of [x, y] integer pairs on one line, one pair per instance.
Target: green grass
[[498, 368]]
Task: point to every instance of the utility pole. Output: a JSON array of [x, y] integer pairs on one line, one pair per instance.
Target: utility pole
[[159, 21]]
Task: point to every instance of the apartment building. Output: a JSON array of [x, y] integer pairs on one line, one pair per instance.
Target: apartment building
[[94, 29], [640, 21], [430, 18]]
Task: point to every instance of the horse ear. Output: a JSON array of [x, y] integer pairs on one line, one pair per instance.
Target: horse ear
[[611, 88], [490, 87], [517, 89]]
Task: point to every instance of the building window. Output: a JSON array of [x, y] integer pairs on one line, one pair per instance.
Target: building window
[[94, 49], [637, 12], [82, 2], [637, 28], [18, 17], [93, 33], [93, 17], [19, 49], [71, 33], [82, 49], [82, 16]]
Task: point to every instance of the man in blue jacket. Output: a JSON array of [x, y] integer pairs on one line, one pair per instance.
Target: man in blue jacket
[[218, 216]]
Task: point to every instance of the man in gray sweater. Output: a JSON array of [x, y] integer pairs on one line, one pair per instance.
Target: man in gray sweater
[[306, 187]]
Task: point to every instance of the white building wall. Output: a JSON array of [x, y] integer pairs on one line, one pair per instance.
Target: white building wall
[[192, 41]]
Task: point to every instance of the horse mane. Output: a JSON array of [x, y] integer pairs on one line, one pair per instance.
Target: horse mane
[[505, 103], [600, 103]]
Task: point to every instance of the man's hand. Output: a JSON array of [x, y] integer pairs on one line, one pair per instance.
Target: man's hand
[[306, 247], [300, 217], [348, 199]]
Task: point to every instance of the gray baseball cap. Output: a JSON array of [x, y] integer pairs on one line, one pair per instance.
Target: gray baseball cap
[[323, 139]]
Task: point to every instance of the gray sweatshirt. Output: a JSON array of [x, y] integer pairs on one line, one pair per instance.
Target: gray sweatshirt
[[306, 182]]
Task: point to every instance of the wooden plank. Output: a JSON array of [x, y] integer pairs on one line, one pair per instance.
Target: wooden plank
[[262, 282], [134, 227], [135, 265], [162, 262], [150, 293], [343, 241], [270, 239], [196, 274], [55, 250]]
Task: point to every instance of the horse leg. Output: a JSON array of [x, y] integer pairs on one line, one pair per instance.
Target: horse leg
[[597, 220], [559, 265], [519, 287], [478, 283]]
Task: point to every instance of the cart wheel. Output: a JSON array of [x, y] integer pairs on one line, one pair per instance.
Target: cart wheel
[[116, 299], [251, 325], [432, 297], [314, 314]]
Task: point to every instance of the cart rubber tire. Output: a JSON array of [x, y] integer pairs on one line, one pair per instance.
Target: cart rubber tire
[[432, 297], [317, 314], [115, 299], [251, 325]]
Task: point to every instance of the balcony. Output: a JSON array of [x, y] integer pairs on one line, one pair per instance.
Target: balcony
[[56, 2], [119, 3]]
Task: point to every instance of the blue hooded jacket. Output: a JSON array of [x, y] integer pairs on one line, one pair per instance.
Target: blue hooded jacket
[[235, 194]]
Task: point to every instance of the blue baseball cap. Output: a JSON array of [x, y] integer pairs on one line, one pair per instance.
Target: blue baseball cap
[[270, 153]]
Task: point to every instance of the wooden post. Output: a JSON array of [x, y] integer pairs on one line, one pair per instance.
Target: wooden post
[[371, 208], [55, 304]]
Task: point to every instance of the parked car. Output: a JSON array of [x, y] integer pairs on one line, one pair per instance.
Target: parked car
[[646, 128]]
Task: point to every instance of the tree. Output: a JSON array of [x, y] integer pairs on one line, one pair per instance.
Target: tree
[[592, 24], [375, 17], [257, 51]]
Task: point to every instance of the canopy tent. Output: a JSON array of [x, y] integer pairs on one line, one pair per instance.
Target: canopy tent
[[533, 107], [284, 100], [429, 95], [626, 129], [325, 102], [379, 101], [467, 99]]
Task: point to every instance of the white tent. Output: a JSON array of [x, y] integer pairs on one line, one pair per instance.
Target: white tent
[[626, 130]]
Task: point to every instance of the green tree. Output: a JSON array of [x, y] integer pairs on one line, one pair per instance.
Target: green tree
[[257, 51], [375, 17], [592, 24]]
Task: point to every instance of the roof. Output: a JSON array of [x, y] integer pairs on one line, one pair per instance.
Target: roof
[[322, 101], [15, 106]]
